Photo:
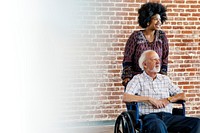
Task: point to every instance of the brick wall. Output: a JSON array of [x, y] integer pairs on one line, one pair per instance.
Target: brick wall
[[100, 31]]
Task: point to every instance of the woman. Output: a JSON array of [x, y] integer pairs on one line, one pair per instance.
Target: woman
[[151, 17]]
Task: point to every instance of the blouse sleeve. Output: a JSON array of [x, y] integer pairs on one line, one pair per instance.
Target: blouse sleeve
[[165, 54], [127, 71]]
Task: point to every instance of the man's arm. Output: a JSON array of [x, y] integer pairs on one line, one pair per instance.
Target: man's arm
[[180, 96], [155, 102], [134, 98]]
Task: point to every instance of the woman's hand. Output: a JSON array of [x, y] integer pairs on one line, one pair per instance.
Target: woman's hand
[[125, 81]]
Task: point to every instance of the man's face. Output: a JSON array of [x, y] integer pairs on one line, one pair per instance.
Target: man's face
[[152, 63]]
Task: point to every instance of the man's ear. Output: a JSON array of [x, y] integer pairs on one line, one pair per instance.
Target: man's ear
[[144, 64]]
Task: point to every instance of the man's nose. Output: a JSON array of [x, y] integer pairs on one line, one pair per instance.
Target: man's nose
[[157, 60]]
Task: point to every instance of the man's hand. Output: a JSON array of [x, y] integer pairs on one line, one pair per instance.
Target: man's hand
[[158, 103]]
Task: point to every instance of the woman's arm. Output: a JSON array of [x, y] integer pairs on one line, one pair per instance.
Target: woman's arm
[[127, 72], [165, 53]]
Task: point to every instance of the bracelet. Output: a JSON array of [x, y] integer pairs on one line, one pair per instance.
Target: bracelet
[[169, 99]]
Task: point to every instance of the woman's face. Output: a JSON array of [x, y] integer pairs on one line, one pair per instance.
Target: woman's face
[[155, 22]]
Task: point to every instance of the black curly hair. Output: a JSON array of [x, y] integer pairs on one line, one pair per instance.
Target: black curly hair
[[149, 9]]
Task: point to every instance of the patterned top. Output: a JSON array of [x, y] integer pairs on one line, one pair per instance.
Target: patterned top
[[159, 88], [136, 45]]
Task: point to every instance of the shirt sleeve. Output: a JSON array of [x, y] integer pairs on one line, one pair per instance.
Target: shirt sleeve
[[173, 89], [133, 86]]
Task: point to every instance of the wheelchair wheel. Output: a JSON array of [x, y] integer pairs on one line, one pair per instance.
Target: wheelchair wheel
[[123, 124]]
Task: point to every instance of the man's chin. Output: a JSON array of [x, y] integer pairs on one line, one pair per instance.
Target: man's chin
[[156, 70]]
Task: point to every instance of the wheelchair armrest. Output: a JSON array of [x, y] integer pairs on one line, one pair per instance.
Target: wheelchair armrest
[[180, 102], [179, 111], [133, 106]]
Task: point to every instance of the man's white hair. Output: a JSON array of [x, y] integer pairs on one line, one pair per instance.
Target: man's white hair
[[143, 58]]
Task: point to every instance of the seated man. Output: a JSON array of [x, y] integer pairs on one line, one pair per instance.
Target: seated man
[[155, 92]]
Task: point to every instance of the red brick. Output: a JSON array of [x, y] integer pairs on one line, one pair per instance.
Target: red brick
[[105, 27]]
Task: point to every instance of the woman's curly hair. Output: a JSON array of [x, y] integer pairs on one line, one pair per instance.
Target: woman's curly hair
[[148, 10]]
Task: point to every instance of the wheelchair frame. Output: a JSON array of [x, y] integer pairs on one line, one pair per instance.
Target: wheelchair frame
[[129, 121]]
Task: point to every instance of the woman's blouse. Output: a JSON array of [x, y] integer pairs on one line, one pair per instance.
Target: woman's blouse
[[136, 45]]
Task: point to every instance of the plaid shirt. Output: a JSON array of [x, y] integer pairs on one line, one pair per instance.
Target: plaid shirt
[[159, 88]]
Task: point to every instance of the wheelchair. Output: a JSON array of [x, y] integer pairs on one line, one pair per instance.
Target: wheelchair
[[129, 121]]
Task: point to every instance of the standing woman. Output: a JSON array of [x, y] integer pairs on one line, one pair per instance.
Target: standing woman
[[151, 17]]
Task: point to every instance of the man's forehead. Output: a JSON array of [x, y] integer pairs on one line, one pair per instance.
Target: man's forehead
[[153, 55]]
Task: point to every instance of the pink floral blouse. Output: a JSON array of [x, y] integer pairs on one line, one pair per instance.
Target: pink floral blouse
[[136, 45]]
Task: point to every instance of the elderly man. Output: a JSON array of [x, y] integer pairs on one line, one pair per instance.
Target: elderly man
[[155, 92]]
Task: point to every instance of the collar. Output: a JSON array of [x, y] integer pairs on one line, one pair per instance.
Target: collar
[[146, 76]]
